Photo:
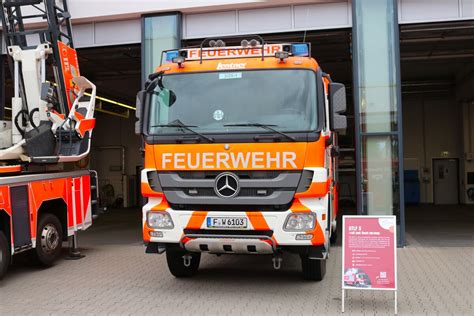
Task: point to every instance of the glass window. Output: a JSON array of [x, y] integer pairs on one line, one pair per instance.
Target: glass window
[[377, 91], [214, 101], [161, 33], [380, 189], [376, 65]]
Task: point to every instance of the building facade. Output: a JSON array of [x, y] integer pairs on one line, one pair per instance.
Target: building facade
[[371, 29]]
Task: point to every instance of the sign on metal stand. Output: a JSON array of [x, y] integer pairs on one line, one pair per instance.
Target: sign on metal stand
[[369, 254]]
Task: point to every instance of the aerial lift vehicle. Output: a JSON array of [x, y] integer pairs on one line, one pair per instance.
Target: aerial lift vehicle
[[44, 197]]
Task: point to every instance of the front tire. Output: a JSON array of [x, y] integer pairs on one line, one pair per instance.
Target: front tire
[[313, 270], [5, 255], [175, 260], [49, 238]]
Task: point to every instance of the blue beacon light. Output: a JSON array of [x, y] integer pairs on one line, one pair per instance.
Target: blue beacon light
[[172, 54], [300, 49]]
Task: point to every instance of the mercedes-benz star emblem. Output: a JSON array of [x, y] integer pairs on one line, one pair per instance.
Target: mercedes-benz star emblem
[[227, 185]]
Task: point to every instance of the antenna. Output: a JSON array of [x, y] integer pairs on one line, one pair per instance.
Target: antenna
[[306, 25]]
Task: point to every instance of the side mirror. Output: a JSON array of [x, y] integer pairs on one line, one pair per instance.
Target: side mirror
[[141, 95], [337, 105]]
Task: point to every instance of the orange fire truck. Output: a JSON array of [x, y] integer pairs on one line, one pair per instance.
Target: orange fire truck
[[240, 154], [44, 196]]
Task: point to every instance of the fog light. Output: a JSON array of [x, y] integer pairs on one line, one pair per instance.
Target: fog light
[[300, 222], [156, 234], [304, 237], [159, 220]]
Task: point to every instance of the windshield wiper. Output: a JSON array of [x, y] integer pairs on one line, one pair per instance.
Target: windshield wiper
[[268, 127], [179, 124]]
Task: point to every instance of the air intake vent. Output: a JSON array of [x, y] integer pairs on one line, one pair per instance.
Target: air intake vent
[[242, 174], [305, 181], [153, 181]]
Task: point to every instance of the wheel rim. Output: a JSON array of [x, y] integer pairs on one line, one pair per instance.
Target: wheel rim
[[49, 238], [1, 257]]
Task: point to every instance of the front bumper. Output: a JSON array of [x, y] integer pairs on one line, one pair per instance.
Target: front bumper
[[264, 234]]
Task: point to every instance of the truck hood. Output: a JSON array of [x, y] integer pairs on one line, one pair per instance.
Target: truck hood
[[235, 156]]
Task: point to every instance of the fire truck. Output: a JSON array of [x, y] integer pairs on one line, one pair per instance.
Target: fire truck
[[240, 154], [45, 197]]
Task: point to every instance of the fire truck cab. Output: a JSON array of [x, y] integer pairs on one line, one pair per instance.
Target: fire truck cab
[[240, 154]]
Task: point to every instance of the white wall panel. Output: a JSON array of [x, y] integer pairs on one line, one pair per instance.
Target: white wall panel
[[417, 11], [335, 14], [102, 9], [467, 7], [107, 33], [205, 24], [269, 19], [119, 32], [83, 35], [322, 15]]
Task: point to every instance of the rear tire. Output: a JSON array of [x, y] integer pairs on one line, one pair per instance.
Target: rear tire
[[175, 260], [5, 255], [49, 239], [313, 270]]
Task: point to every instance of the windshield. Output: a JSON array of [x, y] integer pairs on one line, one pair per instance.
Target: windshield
[[235, 102]]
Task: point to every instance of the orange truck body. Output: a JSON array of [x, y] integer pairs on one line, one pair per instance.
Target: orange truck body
[[203, 225]]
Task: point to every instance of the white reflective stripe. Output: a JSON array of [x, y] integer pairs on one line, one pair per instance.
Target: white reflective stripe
[[143, 176], [73, 200], [83, 212], [88, 216], [319, 174]]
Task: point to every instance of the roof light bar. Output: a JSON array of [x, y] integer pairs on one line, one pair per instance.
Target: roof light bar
[[229, 52], [248, 49]]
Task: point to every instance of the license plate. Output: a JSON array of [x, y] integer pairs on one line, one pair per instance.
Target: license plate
[[227, 222]]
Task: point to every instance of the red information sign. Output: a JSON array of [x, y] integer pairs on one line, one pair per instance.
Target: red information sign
[[369, 256]]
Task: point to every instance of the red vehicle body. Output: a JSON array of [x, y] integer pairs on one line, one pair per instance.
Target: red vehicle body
[[44, 199], [40, 211]]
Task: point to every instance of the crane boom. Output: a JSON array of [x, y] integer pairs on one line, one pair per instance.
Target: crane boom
[[52, 121]]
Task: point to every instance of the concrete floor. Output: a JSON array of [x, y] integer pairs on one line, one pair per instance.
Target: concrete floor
[[440, 225], [117, 277]]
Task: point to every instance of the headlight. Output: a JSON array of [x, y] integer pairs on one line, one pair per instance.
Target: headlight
[[159, 220], [300, 222]]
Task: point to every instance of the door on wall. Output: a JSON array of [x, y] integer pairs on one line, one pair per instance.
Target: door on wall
[[446, 181]]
